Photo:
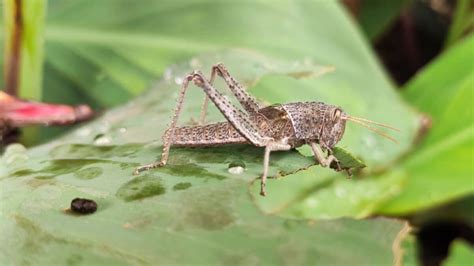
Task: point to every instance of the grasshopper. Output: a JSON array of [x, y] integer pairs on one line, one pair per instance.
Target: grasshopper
[[278, 127]]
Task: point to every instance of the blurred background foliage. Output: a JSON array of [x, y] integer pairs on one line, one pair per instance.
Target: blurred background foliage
[[422, 49]]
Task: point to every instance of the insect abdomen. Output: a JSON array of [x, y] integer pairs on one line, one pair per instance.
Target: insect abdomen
[[207, 135]]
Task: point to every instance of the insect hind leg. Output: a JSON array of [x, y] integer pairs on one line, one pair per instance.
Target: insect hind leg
[[240, 120], [170, 131], [248, 102]]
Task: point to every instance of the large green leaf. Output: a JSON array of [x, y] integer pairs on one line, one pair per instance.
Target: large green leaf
[[460, 253], [437, 171], [375, 16], [442, 163], [191, 211]]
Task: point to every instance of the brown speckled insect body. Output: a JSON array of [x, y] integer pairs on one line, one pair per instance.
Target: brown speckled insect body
[[276, 127]]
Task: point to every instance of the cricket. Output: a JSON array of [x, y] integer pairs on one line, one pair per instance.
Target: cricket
[[278, 127]]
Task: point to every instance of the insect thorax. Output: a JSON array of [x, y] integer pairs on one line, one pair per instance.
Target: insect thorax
[[312, 121]]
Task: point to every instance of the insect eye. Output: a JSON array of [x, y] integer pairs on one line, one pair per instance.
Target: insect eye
[[336, 115]]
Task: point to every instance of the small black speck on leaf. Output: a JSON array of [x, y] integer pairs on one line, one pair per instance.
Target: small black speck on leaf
[[83, 206]]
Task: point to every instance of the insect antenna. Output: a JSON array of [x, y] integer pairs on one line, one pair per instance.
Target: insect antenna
[[352, 118], [377, 131]]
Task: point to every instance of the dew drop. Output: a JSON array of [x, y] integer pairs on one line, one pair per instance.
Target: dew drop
[[340, 192], [312, 202], [168, 75], [104, 126], [236, 170], [15, 148], [178, 80], [195, 64], [236, 167], [101, 140], [83, 132], [370, 141], [14, 154]]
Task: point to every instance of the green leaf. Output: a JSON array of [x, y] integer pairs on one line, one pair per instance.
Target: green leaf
[[409, 249], [194, 210], [376, 16], [462, 22], [457, 212], [441, 164], [460, 253], [347, 160]]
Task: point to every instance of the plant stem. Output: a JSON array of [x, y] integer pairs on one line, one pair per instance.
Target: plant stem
[[24, 46], [13, 29]]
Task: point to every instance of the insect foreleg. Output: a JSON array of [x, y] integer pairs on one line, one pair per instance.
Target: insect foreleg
[[248, 102], [318, 154]]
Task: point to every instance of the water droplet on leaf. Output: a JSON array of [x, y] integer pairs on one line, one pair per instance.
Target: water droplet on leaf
[[178, 80], [236, 167], [15, 154], [101, 140]]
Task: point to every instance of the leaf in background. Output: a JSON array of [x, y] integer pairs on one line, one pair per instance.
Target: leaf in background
[[460, 253], [192, 211], [375, 16], [463, 22], [456, 212], [440, 167], [409, 248]]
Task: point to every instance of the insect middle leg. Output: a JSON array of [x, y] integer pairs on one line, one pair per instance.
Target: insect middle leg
[[237, 118], [248, 102]]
